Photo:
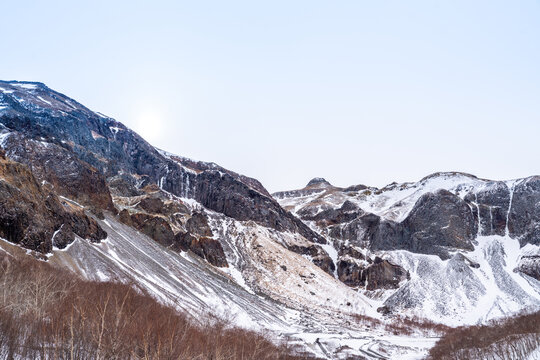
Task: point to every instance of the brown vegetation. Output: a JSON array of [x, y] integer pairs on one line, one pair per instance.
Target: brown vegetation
[[401, 325], [46, 313], [513, 338]]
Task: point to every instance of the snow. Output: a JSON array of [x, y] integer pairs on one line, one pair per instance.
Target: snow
[[71, 201], [535, 355], [25, 86], [332, 252], [6, 91], [450, 291], [3, 138], [70, 104], [187, 282], [45, 101], [456, 294], [238, 278], [114, 130], [55, 249]]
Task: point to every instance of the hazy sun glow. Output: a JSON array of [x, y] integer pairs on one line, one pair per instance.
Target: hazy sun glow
[[149, 125]]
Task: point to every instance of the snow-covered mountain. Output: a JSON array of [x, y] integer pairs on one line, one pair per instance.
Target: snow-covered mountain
[[331, 269], [469, 245]]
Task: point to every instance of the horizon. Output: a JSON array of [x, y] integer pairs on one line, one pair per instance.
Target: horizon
[[356, 93]]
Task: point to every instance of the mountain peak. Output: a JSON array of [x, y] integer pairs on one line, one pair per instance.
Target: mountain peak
[[318, 181]]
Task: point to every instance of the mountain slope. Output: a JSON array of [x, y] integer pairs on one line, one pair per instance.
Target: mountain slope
[[469, 245]]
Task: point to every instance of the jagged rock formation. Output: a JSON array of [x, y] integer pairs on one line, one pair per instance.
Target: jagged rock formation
[[34, 217], [376, 274]]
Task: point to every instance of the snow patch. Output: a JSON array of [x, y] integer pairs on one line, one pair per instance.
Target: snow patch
[[45, 101]]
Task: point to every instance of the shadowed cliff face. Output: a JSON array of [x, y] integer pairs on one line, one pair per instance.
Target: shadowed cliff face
[[34, 217]]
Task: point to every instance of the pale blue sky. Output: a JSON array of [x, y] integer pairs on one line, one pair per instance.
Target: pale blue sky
[[354, 91]]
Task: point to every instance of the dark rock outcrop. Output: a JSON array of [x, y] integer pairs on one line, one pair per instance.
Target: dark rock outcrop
[[440, 220], [530, 265], [380, 274], [318, 182], [207, 248], [524, 216], [318, 256], [347, 212], [198, 224], [491, 204], [69, 176], [155, 227], [34, 217]]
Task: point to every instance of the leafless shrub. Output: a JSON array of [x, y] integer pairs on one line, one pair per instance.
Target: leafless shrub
[[401, 325], [50, 314], [513, 338]]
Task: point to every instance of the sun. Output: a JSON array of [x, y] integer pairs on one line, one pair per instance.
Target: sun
[[149, 125]]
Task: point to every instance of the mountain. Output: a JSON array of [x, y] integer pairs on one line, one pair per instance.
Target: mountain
[[469, 245], [333, 270]]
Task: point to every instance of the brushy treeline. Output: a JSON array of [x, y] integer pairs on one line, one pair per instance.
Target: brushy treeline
[[403, 326], [47, 313], [511, 338]]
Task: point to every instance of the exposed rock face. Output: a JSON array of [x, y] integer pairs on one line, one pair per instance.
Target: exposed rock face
[[222, 193], [318, 256], [439, 220], [491, 204], [152, 205], [207, 248], [69, 176], [530, 265], [524, 216], [198, 224], [200, 166], [347, 212], [371, 275], [111, 148], [155, 227], [33, 217], [123, 186], [318, 182], [171, 224]]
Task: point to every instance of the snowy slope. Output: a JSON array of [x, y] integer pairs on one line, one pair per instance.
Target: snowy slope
[[292, 304], [470, 287]]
